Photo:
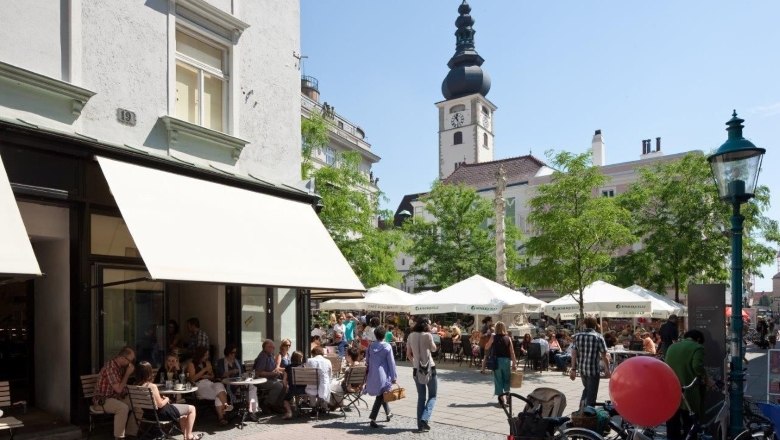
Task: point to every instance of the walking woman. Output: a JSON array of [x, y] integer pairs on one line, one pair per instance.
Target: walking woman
[[418, 349], [504, 352], [381, 373]]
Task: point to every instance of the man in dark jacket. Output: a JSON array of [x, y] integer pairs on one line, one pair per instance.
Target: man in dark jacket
[[668, 333], [686, 358]]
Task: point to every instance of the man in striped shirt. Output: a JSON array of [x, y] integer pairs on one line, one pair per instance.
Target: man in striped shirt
[[588, 350]]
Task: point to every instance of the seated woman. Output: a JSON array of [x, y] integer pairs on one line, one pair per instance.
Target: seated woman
[[325, 372], [201, 374], [296, 360], [231, 367], [647, 343], [167, 410], [455, 333], [169, 371], [315, 341], [525, 344]]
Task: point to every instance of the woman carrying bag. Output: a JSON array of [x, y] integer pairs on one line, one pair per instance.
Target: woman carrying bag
[[418, 349], [381, 374], [504, 352]]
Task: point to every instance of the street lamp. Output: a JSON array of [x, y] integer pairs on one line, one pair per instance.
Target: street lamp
[[735, 167]]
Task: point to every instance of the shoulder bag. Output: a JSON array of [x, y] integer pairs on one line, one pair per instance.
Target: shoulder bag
[[491, 363], [423, 373]]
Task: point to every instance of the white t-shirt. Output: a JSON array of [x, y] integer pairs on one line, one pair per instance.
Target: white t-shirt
[[368, 334], [340, 328], [317, 332]]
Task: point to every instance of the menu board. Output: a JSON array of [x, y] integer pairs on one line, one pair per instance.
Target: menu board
[[707, 313], [773, 373]]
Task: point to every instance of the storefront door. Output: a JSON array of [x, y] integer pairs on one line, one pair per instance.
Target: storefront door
[[130, 314], [16, 338]]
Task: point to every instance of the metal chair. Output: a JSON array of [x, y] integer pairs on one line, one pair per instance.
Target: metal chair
[[335, 362], [143, 405], [353, 387], [301, 377], [9, 423], [447, 347], [534, 359]]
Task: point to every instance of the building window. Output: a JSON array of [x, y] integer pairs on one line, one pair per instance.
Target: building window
[[607, 193], [485, 140], [330, 156], [509, 211], [201, 81], [457, 138], [341, 125], [457, 108]]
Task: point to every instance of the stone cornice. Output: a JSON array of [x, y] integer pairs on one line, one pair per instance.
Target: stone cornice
[[47, 85], [177, 127]]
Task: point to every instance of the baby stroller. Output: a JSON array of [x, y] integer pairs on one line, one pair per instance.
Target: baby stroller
[[540, 416]]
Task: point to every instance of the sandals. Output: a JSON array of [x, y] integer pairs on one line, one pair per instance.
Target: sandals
[[197, 436], [223, 422]]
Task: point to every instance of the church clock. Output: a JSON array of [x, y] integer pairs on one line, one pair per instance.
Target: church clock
[[457, 120]]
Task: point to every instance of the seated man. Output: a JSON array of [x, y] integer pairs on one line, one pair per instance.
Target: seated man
[[340, 343], [111, 392], [540, 339], [265, 366]]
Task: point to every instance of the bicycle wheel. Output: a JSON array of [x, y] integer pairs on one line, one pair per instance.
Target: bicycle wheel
[[577, 434], [754, 434]]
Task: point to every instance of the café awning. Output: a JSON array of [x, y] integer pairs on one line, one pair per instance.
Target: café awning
[[187, 229], [17, 259]]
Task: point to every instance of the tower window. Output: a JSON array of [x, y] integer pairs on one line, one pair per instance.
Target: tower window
[[485, 140], [457, 108], [457, 138]]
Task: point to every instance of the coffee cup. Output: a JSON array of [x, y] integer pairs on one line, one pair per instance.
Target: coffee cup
[[179, 386]]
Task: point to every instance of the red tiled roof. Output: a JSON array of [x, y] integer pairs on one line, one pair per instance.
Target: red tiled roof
[[483, 175]]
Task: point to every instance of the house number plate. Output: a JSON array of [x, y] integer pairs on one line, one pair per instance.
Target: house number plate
[[125, 117]]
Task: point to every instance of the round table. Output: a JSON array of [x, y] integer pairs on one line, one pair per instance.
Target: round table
[[621, 355], [164, 391], [243, 411]]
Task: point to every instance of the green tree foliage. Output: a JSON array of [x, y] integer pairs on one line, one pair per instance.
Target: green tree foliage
[[350, 211], [458, 242], [576, 231], [684, 228]]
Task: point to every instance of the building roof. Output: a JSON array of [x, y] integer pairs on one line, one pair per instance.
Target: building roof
[[483, 175], [777, 276]]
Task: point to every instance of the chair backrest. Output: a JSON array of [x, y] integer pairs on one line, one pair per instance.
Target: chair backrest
[[636, 346], [447, 346], [330, 349], [249, 366], [305, 376], [335, 363], [88, 384], [141, 397], [534, 350], [5, 394], [552, 402], [356, 376]]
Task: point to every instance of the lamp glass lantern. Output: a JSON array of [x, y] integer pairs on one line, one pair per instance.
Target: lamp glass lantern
[[736, 164]]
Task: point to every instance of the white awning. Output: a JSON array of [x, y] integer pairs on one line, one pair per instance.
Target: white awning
[[17, 259], [188, 229]]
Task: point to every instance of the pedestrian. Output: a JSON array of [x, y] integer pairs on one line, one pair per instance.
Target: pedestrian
[[418, 348], [589, 349], [504, 353], [668, 333], [686, 358], [381, 373]]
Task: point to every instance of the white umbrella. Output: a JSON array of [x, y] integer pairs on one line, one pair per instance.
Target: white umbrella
[[661, 305], [385, 298], [476, 295], [343, 304], [602, 299]]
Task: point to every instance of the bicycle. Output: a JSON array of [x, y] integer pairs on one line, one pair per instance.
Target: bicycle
[[621, 429], [554, 428]]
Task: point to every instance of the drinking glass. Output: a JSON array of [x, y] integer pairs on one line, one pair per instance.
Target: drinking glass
[[170, 375]]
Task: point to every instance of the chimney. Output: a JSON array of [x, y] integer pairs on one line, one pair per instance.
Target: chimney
[[644, 147], [598, 149], [658, 144], [311, 88]]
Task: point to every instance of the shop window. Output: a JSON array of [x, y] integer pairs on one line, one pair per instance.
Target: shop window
[[201, 81], [110, 236]]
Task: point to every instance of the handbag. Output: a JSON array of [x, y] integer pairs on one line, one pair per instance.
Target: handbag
[[423, 372], [394, 393], [491, 362], [515, 379]]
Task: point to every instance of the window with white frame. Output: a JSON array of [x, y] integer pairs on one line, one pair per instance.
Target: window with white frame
[[330, 156], [201, 81], [608, 192]]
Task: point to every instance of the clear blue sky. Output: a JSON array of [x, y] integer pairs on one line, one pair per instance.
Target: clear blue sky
[[560, 70]]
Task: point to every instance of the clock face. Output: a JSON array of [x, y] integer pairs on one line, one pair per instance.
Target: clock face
[[486, 120], [457, 119]]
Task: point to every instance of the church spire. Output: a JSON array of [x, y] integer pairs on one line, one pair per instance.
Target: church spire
[[465, 77]]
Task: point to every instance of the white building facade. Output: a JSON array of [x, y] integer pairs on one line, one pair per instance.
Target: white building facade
[[151, 152]]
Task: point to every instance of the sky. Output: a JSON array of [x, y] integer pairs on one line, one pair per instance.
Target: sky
[[560, 70]]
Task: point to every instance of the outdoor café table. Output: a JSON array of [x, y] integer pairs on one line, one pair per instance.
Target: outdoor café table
[[621, 355], [173, 391], [243, 410]]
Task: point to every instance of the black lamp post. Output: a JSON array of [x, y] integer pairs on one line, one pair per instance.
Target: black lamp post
[[735, 166]]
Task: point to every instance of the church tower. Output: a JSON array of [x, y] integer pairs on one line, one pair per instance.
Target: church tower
[[465, 115]]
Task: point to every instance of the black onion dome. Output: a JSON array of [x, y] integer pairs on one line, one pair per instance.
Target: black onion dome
[[465, 77]]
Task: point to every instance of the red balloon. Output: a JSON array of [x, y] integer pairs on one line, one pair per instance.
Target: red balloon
[[646, 392]]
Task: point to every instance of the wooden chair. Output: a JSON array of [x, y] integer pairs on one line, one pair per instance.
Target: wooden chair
[[145, 411], [354, 380], [88, 384], [301, 377], [335, 363], [9, 423]]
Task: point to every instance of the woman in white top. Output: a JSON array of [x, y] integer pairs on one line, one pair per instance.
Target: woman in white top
[[418, 349]]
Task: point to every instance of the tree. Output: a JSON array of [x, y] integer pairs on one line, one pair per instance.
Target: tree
[[350, 210], [458, 242], [576, 231], [684, 227]]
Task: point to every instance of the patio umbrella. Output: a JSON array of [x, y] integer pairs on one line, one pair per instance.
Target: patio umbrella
[[386, 298], [478, 296], [745, 315], [661, 306], [344, 304], [602, 299]]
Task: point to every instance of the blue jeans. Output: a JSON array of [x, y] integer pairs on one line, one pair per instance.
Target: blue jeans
[[379, 402], [590, 389], [426, 397]]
